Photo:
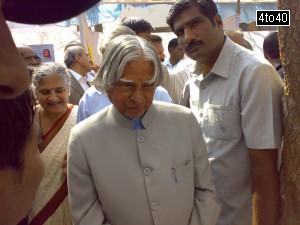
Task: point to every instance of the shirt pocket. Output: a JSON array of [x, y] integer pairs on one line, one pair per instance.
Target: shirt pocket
[[222, 122], [183, 173]]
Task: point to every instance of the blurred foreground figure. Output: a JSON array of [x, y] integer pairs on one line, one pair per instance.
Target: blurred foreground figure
[[21, 168], [14, 77]]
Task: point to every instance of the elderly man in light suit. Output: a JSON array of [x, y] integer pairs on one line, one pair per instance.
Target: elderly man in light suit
[[138, 162]]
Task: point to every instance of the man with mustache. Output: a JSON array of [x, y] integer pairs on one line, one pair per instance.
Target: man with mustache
[[236, 97]]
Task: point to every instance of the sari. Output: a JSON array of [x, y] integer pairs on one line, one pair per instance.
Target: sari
[[51, 204]]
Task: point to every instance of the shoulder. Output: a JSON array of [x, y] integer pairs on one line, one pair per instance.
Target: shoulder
[[253, 67], [162, 90], [74, 108], [90, 124], [91, 91], [248, 58], [170, 109], [175, 116], [91, 94]]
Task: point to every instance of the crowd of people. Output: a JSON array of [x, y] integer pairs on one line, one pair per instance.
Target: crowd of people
[[138, 139]]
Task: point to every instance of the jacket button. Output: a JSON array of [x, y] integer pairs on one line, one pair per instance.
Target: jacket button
[[140, 139], [154, 206], [147, 171]]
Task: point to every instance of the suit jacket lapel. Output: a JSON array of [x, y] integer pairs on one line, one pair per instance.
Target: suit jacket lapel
[[75, 84]]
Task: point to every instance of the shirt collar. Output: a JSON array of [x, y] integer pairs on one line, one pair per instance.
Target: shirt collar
[[129, 124], [168, 64], [76, 75], [224, 60], [278, 66]]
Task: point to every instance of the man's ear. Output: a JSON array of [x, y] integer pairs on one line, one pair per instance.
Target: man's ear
[[219, 22], [266, 56], [77, 58]]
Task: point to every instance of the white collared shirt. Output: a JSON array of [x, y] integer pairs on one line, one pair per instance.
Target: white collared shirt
[[238, 106], [82, 80]]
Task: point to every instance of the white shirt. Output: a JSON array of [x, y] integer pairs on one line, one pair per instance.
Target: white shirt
[[238, 106], [82, 80], [174, 82]]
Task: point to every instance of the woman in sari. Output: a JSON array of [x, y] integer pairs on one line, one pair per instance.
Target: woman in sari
[[56, 118]]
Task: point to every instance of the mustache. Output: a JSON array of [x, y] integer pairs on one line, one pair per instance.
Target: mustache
[[192, 44]]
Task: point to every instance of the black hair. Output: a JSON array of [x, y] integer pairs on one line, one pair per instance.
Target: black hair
[[17, 116], [173, 43], [138, 25], [271, 45], [206, 7], [155, 38]]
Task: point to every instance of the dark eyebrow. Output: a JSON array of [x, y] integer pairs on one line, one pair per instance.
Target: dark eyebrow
[[197, 18]]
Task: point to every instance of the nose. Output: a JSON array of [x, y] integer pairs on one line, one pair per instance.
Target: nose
[[137, 96], [32, 61], [52, 96], [188, 35], [163, 56]]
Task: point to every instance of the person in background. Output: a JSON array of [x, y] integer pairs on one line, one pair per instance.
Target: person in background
[[272, 53], [56, 118], [236, 96], [27, 55], [93, 100], [77, 61], [95, 67], [21, 167], [176, 54], [72, 44], [38, 60], [141, 27], [237, 37], [157, 43], [141, 176]]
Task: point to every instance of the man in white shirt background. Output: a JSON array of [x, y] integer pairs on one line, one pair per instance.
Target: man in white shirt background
[[176, 54], [77, 61]]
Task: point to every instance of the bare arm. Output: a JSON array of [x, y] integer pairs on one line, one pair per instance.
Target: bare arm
[[14, 76], [265, 186]]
